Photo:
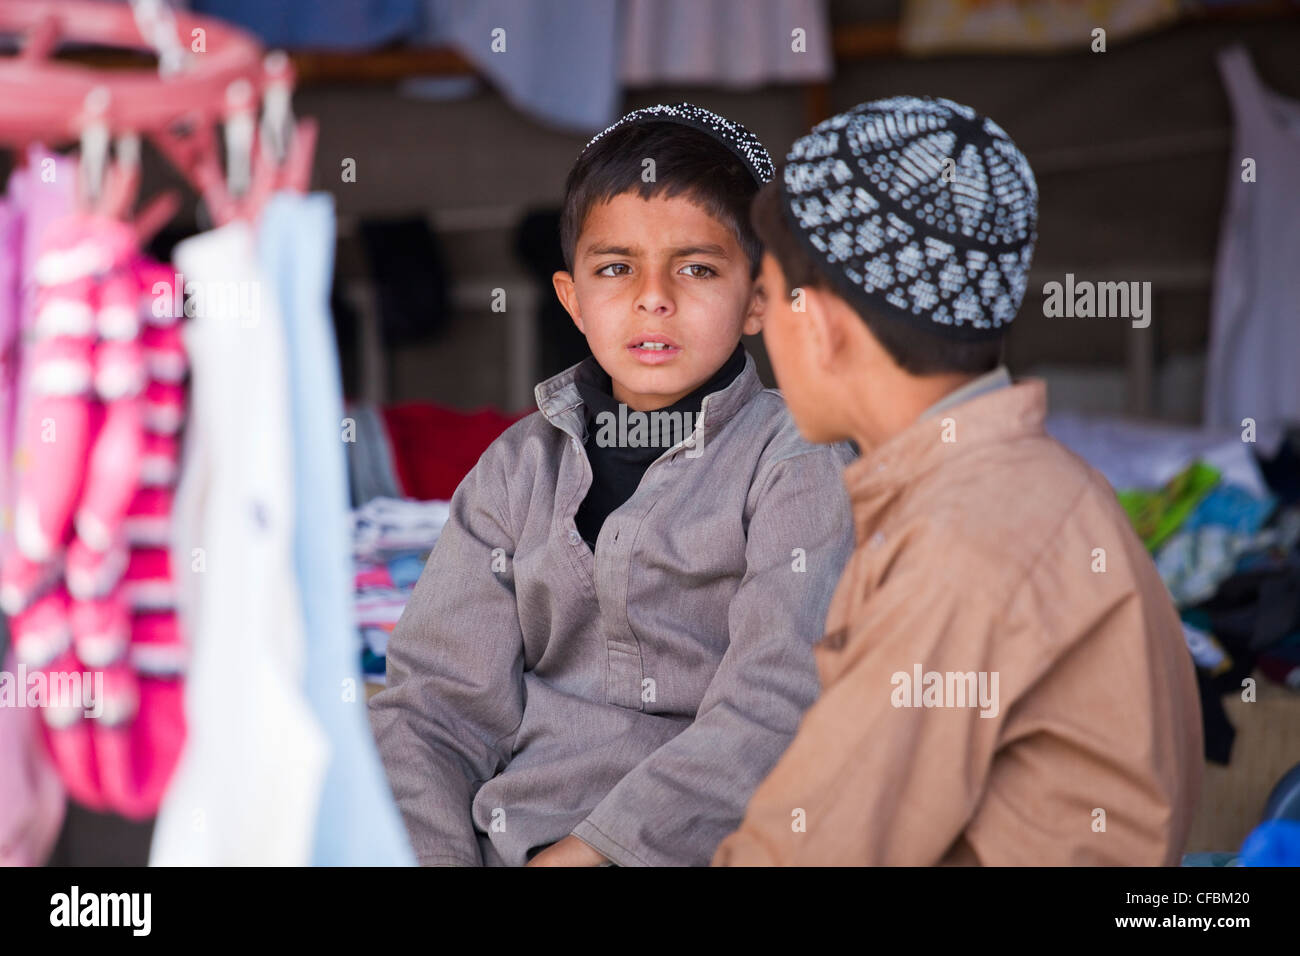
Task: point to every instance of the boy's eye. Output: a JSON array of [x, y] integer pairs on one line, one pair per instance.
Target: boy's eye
[[698, 271], [613, 269]]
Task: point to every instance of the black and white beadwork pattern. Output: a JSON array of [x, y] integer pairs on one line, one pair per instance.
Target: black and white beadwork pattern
[[867, 195], [732, 135]]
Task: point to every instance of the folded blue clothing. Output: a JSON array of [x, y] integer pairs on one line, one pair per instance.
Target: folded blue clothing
[[1211, 858], [405, 569], [372, 664], [1221, 536], [1232, 507]]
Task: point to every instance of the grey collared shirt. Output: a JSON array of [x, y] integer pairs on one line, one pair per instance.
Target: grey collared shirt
[[633, 697], [997, 378]]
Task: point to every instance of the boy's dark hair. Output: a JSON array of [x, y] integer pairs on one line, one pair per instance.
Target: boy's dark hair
[[687, 163], [915, 350]]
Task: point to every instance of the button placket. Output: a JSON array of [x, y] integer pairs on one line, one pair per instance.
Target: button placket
[[625, 669]]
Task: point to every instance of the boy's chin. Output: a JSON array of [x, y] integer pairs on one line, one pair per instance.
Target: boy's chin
[[658, 381]]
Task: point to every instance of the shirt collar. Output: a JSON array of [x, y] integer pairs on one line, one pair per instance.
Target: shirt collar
[[998, 378], [997, 415], [559, 400], [599, 397]]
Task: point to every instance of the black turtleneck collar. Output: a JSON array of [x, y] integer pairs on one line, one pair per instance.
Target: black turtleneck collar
[[598, 394], [616, 471]]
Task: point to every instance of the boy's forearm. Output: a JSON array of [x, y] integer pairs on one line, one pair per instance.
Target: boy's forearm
[[430, 789], [453, 692]]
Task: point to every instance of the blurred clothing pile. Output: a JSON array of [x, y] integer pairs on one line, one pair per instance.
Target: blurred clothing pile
[[1221, 518], [405, 462]]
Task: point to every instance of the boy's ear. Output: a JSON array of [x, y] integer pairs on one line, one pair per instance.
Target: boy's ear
[[564, 291], [757, 309], [824, 326]]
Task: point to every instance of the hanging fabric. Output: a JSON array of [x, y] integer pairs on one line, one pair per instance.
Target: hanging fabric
[[358, 822], [724, 43], [90, 609], [248, 787], [32, 800], [228, 695], [1254, 322]]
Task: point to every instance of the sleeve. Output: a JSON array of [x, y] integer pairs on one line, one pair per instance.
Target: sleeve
[[454, 697], [874, 777], [674, 806]]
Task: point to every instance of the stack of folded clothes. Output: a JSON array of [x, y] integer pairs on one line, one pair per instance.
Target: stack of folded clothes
[[391, 540]]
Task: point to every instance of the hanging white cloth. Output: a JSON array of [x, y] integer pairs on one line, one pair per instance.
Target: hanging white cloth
[[1255, 308], [248, 786], [739, 44]]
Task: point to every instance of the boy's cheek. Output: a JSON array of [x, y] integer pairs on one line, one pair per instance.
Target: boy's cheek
[[774, 340], [791, 369], [777, 334]]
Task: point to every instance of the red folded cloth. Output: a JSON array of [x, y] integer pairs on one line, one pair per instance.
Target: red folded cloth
[[434, 448]]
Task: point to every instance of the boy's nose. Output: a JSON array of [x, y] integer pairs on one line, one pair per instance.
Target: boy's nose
[[654, 296]]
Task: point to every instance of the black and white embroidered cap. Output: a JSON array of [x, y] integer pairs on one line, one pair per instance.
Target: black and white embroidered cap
[[744, 144], [921, 209]]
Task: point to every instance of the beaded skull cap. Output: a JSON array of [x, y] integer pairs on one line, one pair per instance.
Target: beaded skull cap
[[918, 208], [740, 141]]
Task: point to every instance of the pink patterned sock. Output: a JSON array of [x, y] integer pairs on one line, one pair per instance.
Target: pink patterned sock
[[148, 580], [91, 573], [165, 355], [120, 370], [42, 633], [68, 738], [101, 629], [55, 444], [164, 407], [148, 519], [158, 648], [112, 474]]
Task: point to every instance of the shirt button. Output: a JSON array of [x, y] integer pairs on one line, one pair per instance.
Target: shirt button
[[574, 537]]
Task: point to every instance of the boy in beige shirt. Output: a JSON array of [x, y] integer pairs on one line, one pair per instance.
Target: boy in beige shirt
[[1004, 677]]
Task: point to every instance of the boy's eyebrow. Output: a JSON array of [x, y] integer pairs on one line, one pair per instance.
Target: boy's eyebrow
[[703, 249], [707, 249], [607, 250]]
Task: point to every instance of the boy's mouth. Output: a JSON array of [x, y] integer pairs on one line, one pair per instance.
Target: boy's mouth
[[653, 349]]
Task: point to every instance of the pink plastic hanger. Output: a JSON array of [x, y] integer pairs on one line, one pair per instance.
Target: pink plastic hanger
[[41, 100], [53, 103]]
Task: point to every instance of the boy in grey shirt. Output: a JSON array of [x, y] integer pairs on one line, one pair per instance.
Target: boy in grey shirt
[[611, 643]]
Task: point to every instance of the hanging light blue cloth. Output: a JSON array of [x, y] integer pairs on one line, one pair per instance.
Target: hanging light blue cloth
[[555, 61], [358, 822]]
